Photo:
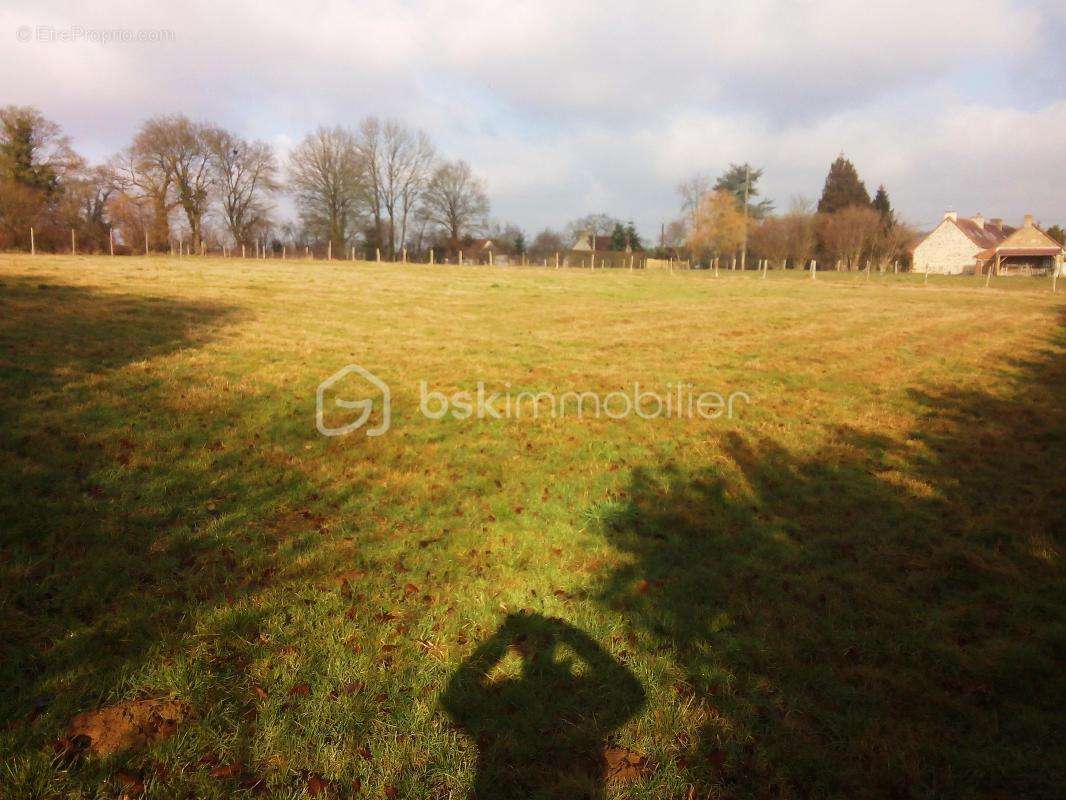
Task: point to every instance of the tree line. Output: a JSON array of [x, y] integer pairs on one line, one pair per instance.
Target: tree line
[[380, 188], [726, 221]]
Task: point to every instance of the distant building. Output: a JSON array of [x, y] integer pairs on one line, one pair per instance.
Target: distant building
[[587, 243], [483, 251], [958, 246]]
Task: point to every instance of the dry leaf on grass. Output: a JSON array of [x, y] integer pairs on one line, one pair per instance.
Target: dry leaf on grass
[[623, 765], [127, 725]]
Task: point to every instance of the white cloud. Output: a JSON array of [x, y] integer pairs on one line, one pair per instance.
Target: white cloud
[[571, 107]]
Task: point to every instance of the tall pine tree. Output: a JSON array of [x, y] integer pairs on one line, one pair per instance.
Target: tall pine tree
[[883, 206], [632, 237], [843, 188], [733, 180]]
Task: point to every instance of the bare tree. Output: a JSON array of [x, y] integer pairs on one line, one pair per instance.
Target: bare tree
[[145, 177], [849, 234], [245, 174], [84, 205], [326, 177], [546, 244], [802, 236], [692, 191], [456, 201], [172, 155], [369, 144], [415, 170], [675, 233], [891, 243], [399, 164], [770, 239]]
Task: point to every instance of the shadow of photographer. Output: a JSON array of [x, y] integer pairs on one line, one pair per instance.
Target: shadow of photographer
[[541, 698]]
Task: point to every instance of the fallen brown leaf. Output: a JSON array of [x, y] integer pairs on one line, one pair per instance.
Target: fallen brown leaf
[[624, 765], [132, 785], [133, 724], [227, 771]]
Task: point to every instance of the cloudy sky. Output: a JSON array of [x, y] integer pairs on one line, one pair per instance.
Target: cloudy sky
[[566, 108]]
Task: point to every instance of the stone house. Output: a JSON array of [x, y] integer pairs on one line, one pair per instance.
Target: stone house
[[1027, 251], [952, 247], [973, 245]]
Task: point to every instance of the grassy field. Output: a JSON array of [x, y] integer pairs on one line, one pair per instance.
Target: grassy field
[[852, 588]]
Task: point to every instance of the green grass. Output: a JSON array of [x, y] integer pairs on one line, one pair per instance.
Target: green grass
[[853, 588]]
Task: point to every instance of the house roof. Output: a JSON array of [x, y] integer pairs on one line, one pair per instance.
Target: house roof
[[1028, 251], [478, 245], [986, 236], [990, 235], [1029, 240]]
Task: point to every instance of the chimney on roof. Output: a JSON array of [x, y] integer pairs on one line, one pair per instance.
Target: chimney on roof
[[979, 221], [1028, 220], [952, 215]]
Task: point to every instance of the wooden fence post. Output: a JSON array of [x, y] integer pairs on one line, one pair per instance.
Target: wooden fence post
[[814, 269], [403, 254], [460, 257], [431, 255], [111, 240], [73, 246], [33, 243], [557, 259], [146, 242]]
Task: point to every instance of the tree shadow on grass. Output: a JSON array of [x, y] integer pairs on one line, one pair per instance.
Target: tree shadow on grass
[[881, 617], [542, 722], [79, 568], [126, 511]]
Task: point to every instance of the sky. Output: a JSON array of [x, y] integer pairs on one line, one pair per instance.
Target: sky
[[570, 108]]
